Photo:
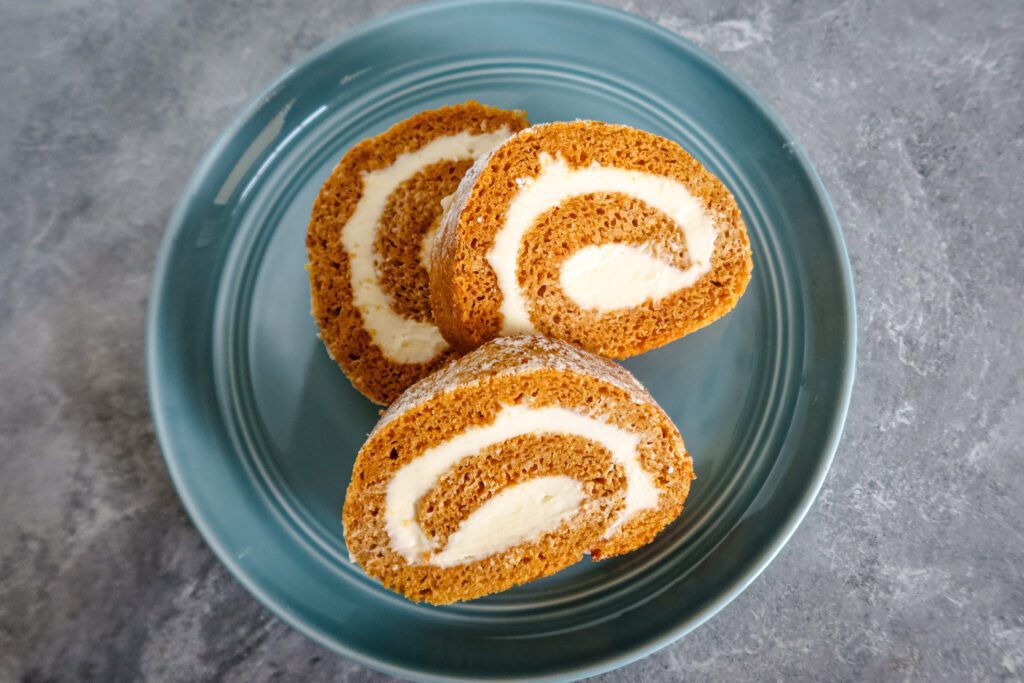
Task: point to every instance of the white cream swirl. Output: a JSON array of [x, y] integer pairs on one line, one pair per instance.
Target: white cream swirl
[[519, 513], [401, 339], [557, 182]]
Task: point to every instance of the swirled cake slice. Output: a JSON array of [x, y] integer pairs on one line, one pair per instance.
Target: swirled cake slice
[[602, 235], [370, 233], [508, 465]]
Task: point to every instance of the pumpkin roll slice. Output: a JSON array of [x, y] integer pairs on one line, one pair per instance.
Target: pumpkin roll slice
[[508, 465], [606, 236], [369, 236]]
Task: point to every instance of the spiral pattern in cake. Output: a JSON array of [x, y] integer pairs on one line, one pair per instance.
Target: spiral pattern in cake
[[369, 242], [606, 236], [508, 465]]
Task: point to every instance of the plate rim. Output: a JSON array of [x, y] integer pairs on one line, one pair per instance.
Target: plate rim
[[684, 625]]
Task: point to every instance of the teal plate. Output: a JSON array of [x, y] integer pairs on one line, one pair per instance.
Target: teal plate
[[260, 428]]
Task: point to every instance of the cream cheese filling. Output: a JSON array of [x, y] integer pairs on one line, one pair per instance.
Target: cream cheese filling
[[607, 277], [418, 477], [558, 182], [519, 513], [427, 246], [400, 339]]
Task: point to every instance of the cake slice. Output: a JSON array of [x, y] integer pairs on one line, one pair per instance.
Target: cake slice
[[368, 235], [606, 236], [508, 465]]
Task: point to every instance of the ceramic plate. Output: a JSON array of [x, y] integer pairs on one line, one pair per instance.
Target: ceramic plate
[[260, 428]]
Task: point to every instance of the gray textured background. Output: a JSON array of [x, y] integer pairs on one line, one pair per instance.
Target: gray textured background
[[909, 566]]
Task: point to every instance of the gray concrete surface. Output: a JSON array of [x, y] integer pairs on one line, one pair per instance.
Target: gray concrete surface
[[909, 566]]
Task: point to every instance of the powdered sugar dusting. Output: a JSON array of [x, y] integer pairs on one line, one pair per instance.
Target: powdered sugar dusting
[[514, 355], [445, 240]]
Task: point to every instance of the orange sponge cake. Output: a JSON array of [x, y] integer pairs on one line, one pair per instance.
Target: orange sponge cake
[[508, 465], [606, 236], [367, 236]]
